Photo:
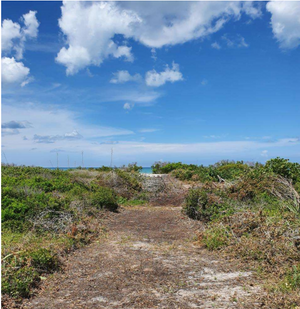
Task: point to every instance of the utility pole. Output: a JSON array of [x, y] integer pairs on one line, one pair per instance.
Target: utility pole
[[51, 163], [82, 159], [111, 157]]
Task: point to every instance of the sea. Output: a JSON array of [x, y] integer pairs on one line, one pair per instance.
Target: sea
[[144, 170]]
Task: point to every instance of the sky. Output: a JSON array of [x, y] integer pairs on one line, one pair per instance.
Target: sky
[[195, 82]]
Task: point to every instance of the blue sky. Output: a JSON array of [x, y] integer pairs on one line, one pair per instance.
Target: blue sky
[[195, 82]]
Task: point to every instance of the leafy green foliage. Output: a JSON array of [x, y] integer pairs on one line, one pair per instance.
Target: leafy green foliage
[[105, 198], [130, 180], [44, 260], [215, 237], [132, 167], [103, 169], [284, 168], [19, 282], [27, 193], [228, 170], [204, 204]]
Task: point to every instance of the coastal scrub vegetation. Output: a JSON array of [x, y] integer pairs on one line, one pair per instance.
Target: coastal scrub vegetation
[[254, 216], [249, 211], [48, 213]]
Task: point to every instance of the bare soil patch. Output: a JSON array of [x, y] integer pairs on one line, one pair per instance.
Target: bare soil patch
[[148, 259]]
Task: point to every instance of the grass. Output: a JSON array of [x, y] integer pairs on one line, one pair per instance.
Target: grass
[[48, 213], [250, 212], [255, 218]]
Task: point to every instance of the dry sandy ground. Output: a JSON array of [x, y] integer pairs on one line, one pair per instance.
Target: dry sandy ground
[[148, 259]]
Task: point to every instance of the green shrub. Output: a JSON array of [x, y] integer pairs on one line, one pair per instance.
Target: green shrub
[[232, 171], [284, 168], [132, 167], [44, 260], [104, 169], [203, 204], [19, 282], [130, 179], [105, 198], [215, 237]]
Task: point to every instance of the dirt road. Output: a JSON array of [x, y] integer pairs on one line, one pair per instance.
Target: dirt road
[[149, 259]]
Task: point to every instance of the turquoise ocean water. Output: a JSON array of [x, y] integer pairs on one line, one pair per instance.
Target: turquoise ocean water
[[145, 170]]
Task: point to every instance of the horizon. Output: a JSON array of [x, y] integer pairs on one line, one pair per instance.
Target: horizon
[[195, 82]]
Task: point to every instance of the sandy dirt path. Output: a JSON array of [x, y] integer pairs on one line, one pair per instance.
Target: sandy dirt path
[[148, 259]]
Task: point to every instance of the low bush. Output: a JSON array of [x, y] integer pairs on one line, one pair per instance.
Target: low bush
[[204, 204], [215, 237], [44, 260], [19, 282], [104, 198], [284, 168]]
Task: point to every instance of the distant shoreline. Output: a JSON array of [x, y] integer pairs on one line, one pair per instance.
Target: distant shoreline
[[144, 170]]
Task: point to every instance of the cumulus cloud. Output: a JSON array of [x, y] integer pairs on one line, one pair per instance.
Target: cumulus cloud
[[101, 21], [121, 77], [285, 23], [156, 79], [14, 35], [10, 32], [14, 71], [154, 24]]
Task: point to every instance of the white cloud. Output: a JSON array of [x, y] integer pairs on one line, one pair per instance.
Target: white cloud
[[153, 54], [139, 97], [156, 79], [74, 135], [14, 35], [237, 41], [121, 77], [90, 27], [128, 106], [264, 153], [10, 32], [252, 9], [63, 129], [31, 24], [216, 45], [13, 43], [285, 23], [14, 72], [46, 126]]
